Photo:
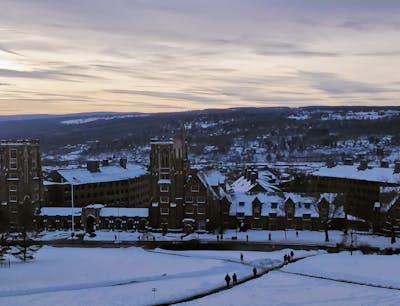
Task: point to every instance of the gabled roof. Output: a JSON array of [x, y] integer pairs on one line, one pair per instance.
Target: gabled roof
[[213, 178], [242, 184]]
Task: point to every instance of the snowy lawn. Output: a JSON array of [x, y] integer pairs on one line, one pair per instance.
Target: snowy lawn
[[122, 276], [277, 288], [382, 270]]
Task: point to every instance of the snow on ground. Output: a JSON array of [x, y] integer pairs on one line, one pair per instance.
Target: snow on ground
[[304, 237], [381, 270], [277, 288], [120, 276]]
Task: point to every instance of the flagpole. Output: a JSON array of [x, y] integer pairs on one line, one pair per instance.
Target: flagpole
[[72, 209]]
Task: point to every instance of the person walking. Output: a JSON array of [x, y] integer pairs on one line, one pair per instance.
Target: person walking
[[269, 236], [227, 279], [291, 255], [234, 279], [241, 257], [254, 272], [247, 238]]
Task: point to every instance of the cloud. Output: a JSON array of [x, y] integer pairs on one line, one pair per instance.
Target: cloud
[[335, 85], [44, 74]]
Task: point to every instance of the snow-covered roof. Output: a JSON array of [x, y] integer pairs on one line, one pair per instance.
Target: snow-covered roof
[[210, 179], [60, 211], [376, 174], [242, 184], [124, 212], [242, 202], [105, 174]]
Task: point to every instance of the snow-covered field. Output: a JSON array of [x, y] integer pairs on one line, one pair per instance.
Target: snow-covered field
[[122, 276], [282, 288], [133, 276]]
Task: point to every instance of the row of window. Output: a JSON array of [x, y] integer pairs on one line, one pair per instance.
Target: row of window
[[188, 199]]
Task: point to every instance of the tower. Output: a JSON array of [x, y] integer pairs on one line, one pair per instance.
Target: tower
[[169, 169], [20, 176]]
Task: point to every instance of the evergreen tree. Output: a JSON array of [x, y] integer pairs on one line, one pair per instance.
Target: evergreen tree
[[4, 233], [24, 246]]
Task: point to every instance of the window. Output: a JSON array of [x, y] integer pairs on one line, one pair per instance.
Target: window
[[13, 197], [274, 205], [226, 209], [189, 199], [257, 211], [201, 199], [13, 188], [164, 159], [164, 199], [307, 216], [307, 205], [201, 209], [189, 209], [164, 211], [13, 153], [241, 203], [289, 215], [240, 215], [272, 215], [164, 188], [164, 176], [194, 188]]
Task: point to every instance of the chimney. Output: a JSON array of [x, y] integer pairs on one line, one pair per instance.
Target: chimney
[[330, 163], [363, 165], [123, 162], [105, 162], [253, 176], [348, 161], [384, 164], [396, 167], [93, 165]]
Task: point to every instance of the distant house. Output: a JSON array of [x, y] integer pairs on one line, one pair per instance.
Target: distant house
[[122, 185]]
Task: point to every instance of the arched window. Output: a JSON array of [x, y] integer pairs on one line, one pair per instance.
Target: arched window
[[164, 159]]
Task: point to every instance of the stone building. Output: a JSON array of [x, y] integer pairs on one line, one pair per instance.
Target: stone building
[[20, 176], [169, 169]]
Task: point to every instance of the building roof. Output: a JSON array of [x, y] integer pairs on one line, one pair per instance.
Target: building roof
[[104, 211], [242, 184], [210, 179], [376, 174], [79, 176], [60, 211], [124, 212]]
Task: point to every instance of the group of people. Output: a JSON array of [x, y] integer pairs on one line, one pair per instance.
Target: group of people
[[228, 279], [287, 258]]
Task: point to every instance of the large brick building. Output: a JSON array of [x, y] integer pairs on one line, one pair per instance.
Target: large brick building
[[121, 185], [20, 176], [361, 183]]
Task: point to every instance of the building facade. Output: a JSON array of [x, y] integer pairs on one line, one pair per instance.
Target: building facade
[[20, 176]]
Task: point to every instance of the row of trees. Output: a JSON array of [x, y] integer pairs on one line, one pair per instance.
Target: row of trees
[[18, 242]]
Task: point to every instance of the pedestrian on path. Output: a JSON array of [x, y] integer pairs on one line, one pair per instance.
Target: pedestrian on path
[[291, 255], [227, 279], [241, 257], [297, 234], [254, 272], [217, 237], [247, 238], [285, 259], [234, 279], [269, 236]]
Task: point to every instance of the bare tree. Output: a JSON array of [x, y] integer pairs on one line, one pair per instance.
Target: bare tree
[[329, 209]]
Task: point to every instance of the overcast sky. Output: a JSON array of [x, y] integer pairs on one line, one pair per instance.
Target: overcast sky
[[61, 56]]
